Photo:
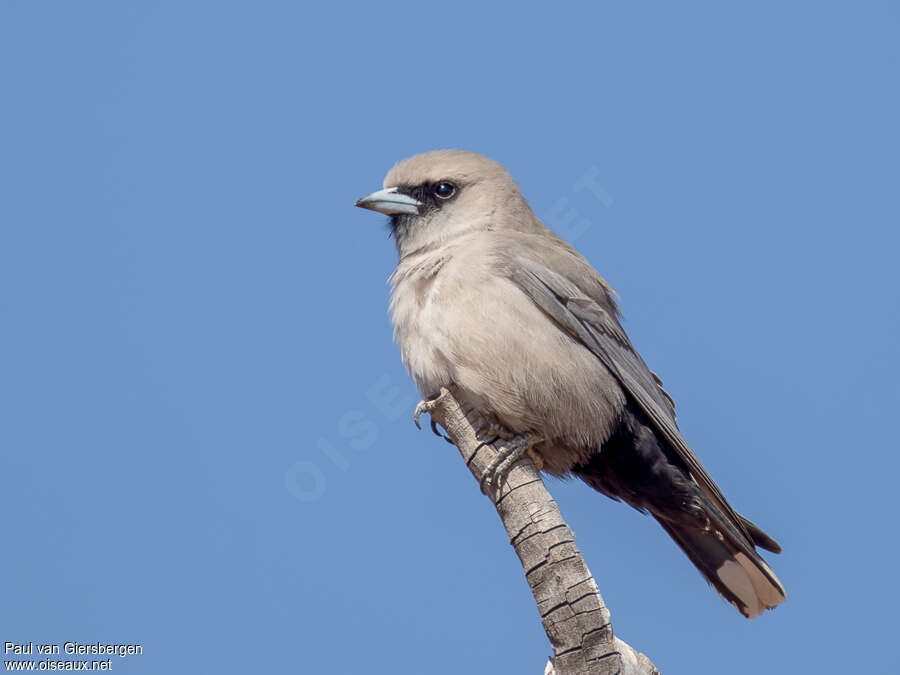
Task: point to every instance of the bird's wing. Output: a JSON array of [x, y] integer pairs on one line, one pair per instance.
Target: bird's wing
[[598, 329]]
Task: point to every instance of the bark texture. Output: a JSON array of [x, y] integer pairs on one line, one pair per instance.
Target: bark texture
[[572, 611]]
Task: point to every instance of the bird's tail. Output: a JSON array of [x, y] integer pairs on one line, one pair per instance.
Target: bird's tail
[[730, 565]]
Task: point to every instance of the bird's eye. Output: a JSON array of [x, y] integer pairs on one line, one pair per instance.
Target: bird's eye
[[444, 190]]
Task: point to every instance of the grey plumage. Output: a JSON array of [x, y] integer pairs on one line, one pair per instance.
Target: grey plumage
[[487, 298]]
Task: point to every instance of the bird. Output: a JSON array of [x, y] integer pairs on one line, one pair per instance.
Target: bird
[[487, 299]]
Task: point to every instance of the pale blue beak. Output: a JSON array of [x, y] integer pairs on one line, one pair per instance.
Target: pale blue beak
[[389, 202]]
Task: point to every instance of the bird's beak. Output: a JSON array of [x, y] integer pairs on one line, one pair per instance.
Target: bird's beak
[[389, 202]]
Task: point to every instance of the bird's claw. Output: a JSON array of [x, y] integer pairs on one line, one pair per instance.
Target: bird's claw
[[428, 406], [424, 407]]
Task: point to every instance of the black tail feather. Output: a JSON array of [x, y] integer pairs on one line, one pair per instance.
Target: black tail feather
[[639, 469]]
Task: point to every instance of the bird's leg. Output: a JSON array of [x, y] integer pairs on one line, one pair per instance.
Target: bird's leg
[[512, 451]]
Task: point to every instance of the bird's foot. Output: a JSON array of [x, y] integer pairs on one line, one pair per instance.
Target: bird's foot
[[512, 451], [424, 406], [427, 406]]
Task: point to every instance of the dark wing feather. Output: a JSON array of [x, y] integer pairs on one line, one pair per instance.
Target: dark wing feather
[[599, 331]]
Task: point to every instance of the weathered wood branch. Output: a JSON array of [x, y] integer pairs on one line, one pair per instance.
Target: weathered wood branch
[[574, 616]]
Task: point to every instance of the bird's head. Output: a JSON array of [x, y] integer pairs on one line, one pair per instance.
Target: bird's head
[[436, 196]]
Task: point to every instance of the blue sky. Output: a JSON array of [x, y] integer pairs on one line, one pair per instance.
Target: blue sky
[[206, 445]]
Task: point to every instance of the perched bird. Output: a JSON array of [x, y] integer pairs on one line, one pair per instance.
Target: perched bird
[[486, 298]]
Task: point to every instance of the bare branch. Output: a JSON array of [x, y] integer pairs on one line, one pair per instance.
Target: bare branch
[[575, 619]]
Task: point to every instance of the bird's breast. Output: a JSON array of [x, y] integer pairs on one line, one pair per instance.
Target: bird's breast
[[416, 316], [457, 320]]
